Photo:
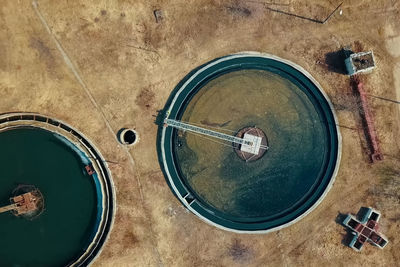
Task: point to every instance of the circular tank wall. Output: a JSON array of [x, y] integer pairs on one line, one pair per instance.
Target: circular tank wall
[[78, 202], [284, 102]]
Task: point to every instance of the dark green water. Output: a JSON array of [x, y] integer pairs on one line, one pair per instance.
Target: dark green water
[[34, 156], [286, 173]]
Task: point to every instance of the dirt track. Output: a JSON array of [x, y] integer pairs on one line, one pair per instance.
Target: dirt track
[[119, 68]]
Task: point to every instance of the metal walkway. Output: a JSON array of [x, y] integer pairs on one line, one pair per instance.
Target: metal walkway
[[9, 207], [195, 129]]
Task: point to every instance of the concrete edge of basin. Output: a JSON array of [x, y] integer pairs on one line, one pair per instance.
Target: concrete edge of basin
[[175, 99], [104, 225]]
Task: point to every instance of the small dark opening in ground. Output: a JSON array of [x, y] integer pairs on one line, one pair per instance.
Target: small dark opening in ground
[[129, 137]]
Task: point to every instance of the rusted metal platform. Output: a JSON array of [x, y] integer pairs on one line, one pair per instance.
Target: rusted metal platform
[[23, 204], [365, 229], [368, 121]]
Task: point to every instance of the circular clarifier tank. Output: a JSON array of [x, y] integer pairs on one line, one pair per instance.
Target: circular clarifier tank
[[68, 173], [236, 188]]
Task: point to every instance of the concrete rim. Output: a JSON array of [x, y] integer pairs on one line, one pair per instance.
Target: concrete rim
[[312, 80], [121, 134], [34, 120]]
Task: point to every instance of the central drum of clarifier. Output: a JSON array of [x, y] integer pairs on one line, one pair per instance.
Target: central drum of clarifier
[[290, 149], [252, 131]]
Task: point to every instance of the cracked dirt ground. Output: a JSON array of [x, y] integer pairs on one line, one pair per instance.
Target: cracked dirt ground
[[104, 65]]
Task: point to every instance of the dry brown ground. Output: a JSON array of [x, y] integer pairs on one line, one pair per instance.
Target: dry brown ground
[[129, 64]]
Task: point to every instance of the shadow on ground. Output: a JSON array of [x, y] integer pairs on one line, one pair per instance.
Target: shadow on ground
[[347, 236], [335, 61]]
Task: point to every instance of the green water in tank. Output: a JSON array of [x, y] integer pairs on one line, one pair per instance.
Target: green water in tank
[[283, 176], [61, 233]]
